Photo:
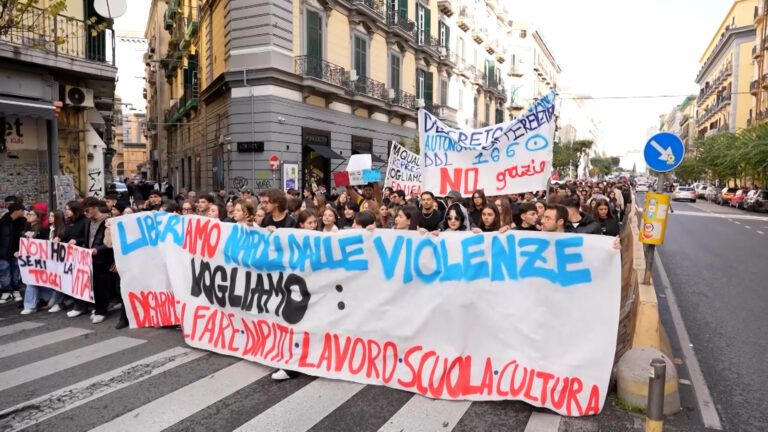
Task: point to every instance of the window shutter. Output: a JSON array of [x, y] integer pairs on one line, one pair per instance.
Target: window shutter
[[427, 25], [314, 34], [428, 87], [447, 39]]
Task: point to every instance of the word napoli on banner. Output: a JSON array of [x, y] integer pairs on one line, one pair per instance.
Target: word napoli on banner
[[505, 158], [352, 305]]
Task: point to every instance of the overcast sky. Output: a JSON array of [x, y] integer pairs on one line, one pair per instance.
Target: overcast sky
[[608, 48]]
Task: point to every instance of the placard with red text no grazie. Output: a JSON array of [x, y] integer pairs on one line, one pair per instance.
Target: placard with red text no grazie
[[523, 315], [501, 159], [61, 266]]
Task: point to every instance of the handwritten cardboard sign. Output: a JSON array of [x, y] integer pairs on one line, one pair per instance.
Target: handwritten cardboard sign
[[403, 170], [63, 267], [501, 159], [524, 315]]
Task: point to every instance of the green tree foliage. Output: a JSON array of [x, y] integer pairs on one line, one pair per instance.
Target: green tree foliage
[[12, 13], [568, 154], [605, 165], [689, 170], [733, 156]]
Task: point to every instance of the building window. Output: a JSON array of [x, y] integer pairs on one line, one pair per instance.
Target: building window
[[362, 145], [120, 171], [523, 34], [487, 118], [423, 21], [394, 71], [360, 57], [443, 92], [314, 34], [424, 86], [445, 36]]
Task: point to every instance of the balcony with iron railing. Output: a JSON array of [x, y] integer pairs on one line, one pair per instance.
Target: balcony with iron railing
[[403, 99], [374, 8], [314, 67], [62, 37], [368, 86], [188, 102], [448, 57], [479, 33], [398, 22]]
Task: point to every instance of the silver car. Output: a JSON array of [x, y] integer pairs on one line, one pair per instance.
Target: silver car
[[684, 193]]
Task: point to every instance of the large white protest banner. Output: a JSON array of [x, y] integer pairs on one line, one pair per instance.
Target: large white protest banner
[[403, 170], [501, 159], [61, 266], [521, 315]]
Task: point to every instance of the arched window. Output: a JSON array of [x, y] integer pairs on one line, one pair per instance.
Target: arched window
[[120, 170]]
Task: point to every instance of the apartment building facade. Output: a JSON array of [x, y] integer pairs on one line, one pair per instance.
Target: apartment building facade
[[57, 80], [313, 82], [726, 75]]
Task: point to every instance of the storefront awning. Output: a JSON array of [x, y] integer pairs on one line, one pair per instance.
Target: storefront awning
[[93, 117], [92, 138], [325, 151], [17, 107]]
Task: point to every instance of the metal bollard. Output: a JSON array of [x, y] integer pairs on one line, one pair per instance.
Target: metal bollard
[[654, 421]]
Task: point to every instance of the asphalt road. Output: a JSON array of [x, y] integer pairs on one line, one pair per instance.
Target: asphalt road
[[716, 259]]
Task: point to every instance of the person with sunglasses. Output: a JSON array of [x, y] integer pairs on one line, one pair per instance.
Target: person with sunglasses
[[187, 207]]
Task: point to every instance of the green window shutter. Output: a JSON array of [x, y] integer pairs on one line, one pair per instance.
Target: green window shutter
[[428, 87], [403, 8], [491, 71], [427, 25], [419, 75], [360, 56], [447, 39], [314, 34]]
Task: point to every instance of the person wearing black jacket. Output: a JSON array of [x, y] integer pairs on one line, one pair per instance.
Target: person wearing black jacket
[[609, 225], [11, 231], [429, 217], [75, 227], [103, 258], [578, 221]]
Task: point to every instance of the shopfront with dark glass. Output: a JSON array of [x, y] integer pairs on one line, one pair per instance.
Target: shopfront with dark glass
[[317, 159]]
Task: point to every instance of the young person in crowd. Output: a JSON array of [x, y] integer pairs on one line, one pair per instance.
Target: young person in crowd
[[203, 204], [244, 213], [218, 211], [230, 206], [103, 259], [555, 218], [274, 203], [293, 205], [365, 220], [348, 217], [609, 224], [407, 218], [506, 217], [258, 220], [430, 217], [579, 221], [456, 218], [385, 219], [187, 207], [307, 220], [490, 221], [329, 221], [529, 217], [33, 293], [371, 191], [320, 203], [476, 206]]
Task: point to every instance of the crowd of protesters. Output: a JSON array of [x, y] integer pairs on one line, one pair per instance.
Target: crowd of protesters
[[588, 207]]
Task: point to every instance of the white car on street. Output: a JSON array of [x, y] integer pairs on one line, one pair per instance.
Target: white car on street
[[684, 193], [642, 187]]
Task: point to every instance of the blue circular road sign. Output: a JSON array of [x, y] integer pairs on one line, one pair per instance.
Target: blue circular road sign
[[664, 152]]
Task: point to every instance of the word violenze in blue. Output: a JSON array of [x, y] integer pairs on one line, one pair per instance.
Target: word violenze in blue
[[410, 257]]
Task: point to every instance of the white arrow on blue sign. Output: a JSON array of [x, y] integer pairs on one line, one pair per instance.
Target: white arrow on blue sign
[[664, 152]]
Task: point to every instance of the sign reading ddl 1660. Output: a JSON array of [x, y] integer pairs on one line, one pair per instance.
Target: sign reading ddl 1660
[[664, 152]]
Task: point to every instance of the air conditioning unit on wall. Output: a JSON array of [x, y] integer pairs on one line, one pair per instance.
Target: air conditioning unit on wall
[[78, 97]]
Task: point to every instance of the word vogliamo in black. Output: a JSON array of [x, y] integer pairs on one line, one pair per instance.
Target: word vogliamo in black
[[243, 288]]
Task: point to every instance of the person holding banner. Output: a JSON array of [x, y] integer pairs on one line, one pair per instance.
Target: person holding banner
[[275, 208], [33, 293], [10, 234], [371, 191], [429, 217], [490, 221], [476, 206], [456, 219], [529, 217], [578, 221], [307, 220], [348, 217], [244, 213]]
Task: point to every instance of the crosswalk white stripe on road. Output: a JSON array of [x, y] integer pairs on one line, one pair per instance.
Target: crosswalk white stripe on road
[[58, 363], [425, 414], [180, 404], [40, 341], [543, 422], [13, 328], [47, 406], [312, 402]]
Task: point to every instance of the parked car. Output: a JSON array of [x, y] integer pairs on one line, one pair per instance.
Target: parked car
[[725, 195], [642, 187], [701, 191], [684, 193], [713, 194], [758, 202], [753, 197], [737, 200]]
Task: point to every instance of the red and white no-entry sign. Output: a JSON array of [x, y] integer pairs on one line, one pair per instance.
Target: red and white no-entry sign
[[274, 162]]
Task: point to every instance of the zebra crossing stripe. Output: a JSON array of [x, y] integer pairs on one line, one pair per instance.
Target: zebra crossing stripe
[[313, 401], [58, 363], [40, 341], [180, 404], [543, 422], [47, 406], [13, 328], [422, 414]]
